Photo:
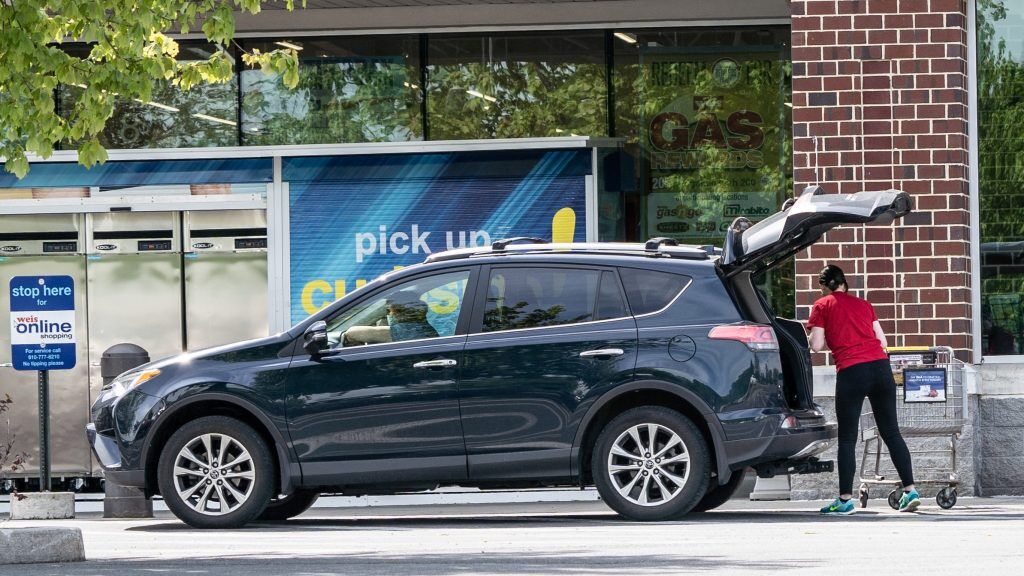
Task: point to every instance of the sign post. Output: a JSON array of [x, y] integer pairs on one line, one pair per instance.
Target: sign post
[[43, 339]]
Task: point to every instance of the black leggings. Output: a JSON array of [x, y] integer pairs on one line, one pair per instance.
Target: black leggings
[[874, 381]]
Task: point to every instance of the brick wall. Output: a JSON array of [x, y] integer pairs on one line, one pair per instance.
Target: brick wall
[[880, 101]]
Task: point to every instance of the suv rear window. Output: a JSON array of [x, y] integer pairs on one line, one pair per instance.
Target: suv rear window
[[535, 297], [650, 291]]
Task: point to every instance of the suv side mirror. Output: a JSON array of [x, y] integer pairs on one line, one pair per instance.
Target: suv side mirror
[[314, 339]]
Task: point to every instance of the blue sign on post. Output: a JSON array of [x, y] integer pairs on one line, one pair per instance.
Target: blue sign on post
[[42, 322]]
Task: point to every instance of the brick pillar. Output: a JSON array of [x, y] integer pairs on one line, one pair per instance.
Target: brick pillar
[[880, 91]]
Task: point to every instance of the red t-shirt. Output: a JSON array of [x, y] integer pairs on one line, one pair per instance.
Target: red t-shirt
[[849, 333]]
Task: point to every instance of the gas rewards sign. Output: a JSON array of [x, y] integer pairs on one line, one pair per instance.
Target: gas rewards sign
[[714, 141], [42, 322], [353, 218]]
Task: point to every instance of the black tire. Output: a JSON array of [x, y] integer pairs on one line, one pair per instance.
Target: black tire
[[254, 478], [894, 499], [289, 506], [720, 494], [946, 498], [678, 498]]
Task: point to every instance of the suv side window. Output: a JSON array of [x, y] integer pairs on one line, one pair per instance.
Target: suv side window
[[536, 297], [426, 307], [610, 303], [650, 290]]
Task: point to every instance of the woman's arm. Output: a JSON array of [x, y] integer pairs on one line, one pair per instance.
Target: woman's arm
[[879, 334], [818, 339]]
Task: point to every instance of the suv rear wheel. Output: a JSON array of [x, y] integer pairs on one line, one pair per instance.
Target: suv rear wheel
[[216, 472], [651, 463]]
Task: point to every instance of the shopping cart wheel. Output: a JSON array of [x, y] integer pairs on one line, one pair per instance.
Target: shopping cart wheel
[[894, 499], [946, 498], [864, 497]]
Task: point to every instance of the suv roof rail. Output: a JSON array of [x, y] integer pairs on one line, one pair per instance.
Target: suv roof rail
[[712, 250], [685, 252], [499, 245], [653, 244]]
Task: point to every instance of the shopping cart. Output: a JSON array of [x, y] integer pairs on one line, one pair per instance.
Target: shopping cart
[[929, 404]]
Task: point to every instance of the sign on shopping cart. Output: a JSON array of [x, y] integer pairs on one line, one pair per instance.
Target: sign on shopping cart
[[924, 385]]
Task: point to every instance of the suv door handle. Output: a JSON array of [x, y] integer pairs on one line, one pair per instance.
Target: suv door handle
[[602, 352], [434, 364]]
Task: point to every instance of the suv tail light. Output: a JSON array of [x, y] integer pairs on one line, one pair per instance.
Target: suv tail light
[[755, 336]]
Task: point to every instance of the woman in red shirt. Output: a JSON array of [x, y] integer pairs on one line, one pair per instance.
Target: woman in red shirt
[[850, 329]]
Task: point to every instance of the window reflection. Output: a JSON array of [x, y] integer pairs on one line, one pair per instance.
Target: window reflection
[[1000, 34], [705, 115], [516, 85], [352, 89], [206, 115]]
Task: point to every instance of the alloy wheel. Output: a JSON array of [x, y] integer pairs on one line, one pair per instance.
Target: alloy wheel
[[214, 474], [648, 464]]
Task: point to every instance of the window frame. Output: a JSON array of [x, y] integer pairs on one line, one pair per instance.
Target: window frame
[[484, 278]]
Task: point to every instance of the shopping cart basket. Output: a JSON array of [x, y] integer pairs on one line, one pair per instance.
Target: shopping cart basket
[[929, 404]]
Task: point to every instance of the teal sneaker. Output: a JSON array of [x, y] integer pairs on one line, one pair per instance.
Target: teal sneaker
[[839, 508], [909, 501]]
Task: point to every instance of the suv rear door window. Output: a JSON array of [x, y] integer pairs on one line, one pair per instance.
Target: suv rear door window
[[609, 301], [536, 297], [649, 290]]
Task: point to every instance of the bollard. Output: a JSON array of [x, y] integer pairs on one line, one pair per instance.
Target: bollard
[[123, 501]]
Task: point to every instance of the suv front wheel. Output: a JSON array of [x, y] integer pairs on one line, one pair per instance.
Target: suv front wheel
[[216, 472], [651, 463]]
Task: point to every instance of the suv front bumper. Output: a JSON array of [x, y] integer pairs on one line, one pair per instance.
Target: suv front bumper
[[109, 455]]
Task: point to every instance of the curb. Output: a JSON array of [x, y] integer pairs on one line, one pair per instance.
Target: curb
[[38, 545]]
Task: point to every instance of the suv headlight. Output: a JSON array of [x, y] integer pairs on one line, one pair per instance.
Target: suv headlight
[[122, 384]]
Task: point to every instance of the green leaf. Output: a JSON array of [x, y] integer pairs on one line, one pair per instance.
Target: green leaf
[[131, 59], [17, 165], [92, 153]]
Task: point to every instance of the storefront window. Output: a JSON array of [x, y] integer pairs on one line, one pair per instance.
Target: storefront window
[[516, 85], [206, 115], [1000, 36], [706, 115], [351, 89]]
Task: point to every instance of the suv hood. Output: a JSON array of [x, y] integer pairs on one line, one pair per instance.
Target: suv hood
[[236, 350], [802, 222]]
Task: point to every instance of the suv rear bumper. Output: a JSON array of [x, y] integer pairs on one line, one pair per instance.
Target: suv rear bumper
[[789, 448]]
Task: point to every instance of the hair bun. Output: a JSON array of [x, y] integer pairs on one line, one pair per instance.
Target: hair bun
[[832, 277]]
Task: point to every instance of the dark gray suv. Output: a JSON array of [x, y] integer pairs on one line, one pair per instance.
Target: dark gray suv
[[655, 372]]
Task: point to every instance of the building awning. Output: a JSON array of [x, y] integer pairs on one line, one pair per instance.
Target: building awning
[[322, 16]]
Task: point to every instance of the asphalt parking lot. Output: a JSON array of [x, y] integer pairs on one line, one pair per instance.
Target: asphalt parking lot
[[979, 536]]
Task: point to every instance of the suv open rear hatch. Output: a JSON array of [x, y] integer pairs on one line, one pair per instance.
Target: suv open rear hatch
[[802, 222]]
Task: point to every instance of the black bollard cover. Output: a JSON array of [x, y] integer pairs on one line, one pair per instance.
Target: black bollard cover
[[122, 501], [120, 358]]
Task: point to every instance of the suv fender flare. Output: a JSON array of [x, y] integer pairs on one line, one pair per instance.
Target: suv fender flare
[[685, 395], [288, 466]]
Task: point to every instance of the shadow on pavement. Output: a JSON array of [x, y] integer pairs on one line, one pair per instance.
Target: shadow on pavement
[[419, 564], [411, 522]]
